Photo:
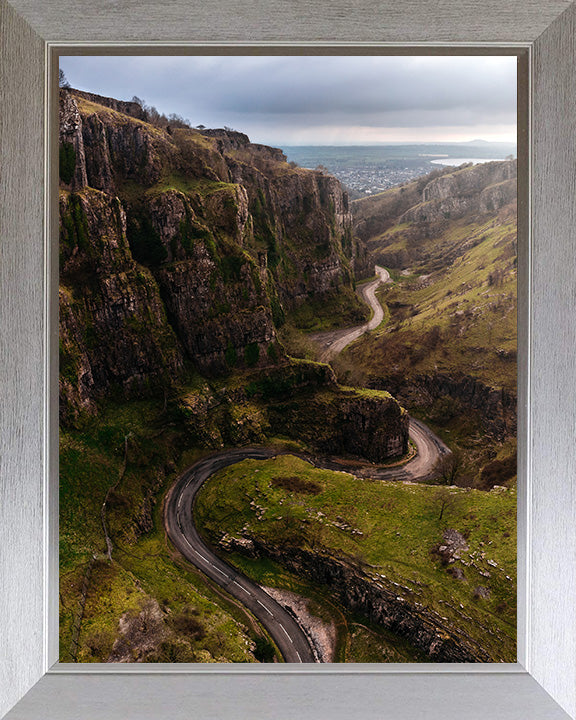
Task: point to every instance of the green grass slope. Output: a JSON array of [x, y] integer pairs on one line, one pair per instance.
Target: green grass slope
[[128, 457], [388, 529]]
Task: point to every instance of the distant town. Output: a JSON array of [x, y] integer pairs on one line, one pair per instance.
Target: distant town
[[372, 179], [368, 170]]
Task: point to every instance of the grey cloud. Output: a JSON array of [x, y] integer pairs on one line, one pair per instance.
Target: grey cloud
[[370, 91]]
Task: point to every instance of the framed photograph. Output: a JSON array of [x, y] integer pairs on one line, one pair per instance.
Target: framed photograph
[[177, 678], [234, 426]]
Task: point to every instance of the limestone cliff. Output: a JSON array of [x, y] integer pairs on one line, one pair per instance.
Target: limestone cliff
[[114, 334], [446, 193], [182, 248], [395, 607], [480, 189]]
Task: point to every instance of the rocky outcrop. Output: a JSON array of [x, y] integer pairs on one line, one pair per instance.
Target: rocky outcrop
[[495, 406], [386, 603], [216, 234], [222, 325], [301, 400], [133, 109], [496, 196], [113, 327], [444, 194], [300, 218], [71, 143], [469, 181], [478, 189], [345, 423]]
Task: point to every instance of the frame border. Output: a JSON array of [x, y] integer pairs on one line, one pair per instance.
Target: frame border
[[54, 52], [551, 582]]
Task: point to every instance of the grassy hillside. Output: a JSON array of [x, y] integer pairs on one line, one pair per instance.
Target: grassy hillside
[[460, 318], [129, 457], [118, 570], [387, 529], [448, 345]]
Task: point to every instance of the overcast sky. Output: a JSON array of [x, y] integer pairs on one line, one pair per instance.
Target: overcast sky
[[319, 100]]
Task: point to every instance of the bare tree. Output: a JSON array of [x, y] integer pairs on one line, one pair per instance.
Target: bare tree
[[62, 79], [448, 468], [446, 501]]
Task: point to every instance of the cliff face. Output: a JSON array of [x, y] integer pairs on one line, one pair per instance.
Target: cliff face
[[375, 428], [183, 247], [479, 189], [113, 327], [395, 607], [303, 401], [290, 209], [495, 406], [128, 108]]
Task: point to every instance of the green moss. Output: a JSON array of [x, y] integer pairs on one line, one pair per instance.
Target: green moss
[[67, 164], [74, 226], [231, 267], [230, 355], [69, 359], [334, 309], [272, 352], [212, 249], [263, 228], [251, 354], [145, 242]]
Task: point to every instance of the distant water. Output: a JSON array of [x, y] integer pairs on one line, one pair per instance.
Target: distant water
[[453, 162]]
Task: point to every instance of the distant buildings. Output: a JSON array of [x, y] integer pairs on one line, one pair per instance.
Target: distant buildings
[[369, 180]]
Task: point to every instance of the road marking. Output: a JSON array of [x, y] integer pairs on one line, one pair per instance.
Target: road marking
[[298, 656], [265, 608], [202, 556], [220, 571], [242, 588], [285, 633]]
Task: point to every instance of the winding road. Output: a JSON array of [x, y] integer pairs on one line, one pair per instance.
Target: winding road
[[333, 342], [291, 640], [179, 522]]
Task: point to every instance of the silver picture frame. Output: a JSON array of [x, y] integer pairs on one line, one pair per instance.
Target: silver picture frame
[[542, 685]]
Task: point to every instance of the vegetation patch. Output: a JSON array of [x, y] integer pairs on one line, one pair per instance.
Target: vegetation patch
[[67, 162], [386, 528], [136, 447], [334, 309], [145, 242], [296, 484]]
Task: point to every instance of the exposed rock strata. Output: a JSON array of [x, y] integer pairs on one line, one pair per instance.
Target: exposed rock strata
[[447, 193], [383, 602], [496, 407], [113, 327], [479, 189], [182, 248]]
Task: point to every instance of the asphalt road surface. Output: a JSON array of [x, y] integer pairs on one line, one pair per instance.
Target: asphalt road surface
[[429, 447], [333, 342], [179, 523], [178, 512]]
